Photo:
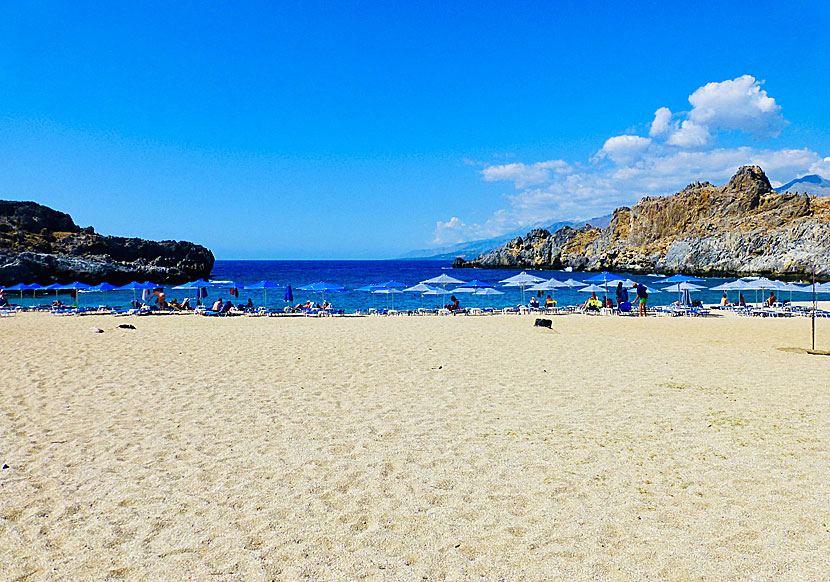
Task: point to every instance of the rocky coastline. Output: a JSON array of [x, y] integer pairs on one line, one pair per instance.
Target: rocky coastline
[[742, 228], [39, 244]]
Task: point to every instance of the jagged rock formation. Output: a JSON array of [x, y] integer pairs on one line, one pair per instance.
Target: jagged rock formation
[[744, 227], [40, 244]]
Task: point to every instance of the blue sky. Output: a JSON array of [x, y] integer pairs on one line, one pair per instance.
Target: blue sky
[[364, 130]]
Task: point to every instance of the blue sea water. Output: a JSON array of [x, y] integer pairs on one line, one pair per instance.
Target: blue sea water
[[354, 274]]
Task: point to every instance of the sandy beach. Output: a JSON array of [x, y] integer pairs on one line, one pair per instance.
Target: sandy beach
[[413, 448]]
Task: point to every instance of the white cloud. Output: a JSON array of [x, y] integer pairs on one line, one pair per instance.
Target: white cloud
[[681, 148], [625, 149], [738, 104], [661, 123], [822, 168], [689, 135], [524, 175], [450, 232]]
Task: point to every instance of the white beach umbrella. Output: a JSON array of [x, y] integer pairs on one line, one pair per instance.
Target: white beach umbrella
[[443, 280], [683, 287], [592, 289], [522, 280]]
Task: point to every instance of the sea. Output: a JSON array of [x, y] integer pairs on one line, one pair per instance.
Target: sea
[[354, 274]]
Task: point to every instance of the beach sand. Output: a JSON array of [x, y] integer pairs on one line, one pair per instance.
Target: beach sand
[[413, 448]]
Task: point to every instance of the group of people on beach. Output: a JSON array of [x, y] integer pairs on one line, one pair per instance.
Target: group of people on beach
[[623, 303]]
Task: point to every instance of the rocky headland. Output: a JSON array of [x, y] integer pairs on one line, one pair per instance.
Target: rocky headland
[[742, 228], [39, 244]]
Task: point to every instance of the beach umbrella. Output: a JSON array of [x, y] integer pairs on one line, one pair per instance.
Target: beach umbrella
[[390, 293], [605, 276], [229, 285], [24, 287], [443, 280], [793, 288], [392, 284], [289, 294], [523, 277], [103, 288], [522, 280], [592, 289], [197, 284], [369, 289], [476, 284], [678, 278], [136, 286], [77, 287], [682, 290], [573, 283], [265, 285], [421, 288], [322, 287], [488, 291], [683, 287], [760, 284], [54, 287], [548, 285]]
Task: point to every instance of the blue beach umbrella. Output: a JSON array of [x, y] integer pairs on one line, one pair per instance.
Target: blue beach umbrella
[[197, 284], [25, 287], [76, 286], [392, 284], [371, 288], [103, 288], [476, 284], [265, 285], [53, 287], [136, 286], [678, 278], [289, 294]]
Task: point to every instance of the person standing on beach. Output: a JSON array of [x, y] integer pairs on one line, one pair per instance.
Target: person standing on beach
[[622, 294], [642, 297]]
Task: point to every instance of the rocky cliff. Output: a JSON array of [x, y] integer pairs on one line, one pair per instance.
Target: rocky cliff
[[744, 227], [40, 244]]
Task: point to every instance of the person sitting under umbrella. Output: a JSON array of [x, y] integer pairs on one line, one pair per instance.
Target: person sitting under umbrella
[[592, 304], [455, 305]]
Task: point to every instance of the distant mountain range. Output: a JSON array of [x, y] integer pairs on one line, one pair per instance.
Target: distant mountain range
[[811, 184], [474, 248]]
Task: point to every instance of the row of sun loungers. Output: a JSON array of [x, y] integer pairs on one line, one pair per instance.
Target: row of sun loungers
[[666, 311]]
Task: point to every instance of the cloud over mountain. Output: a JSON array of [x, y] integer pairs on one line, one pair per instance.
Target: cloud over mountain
[[680, 148]]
